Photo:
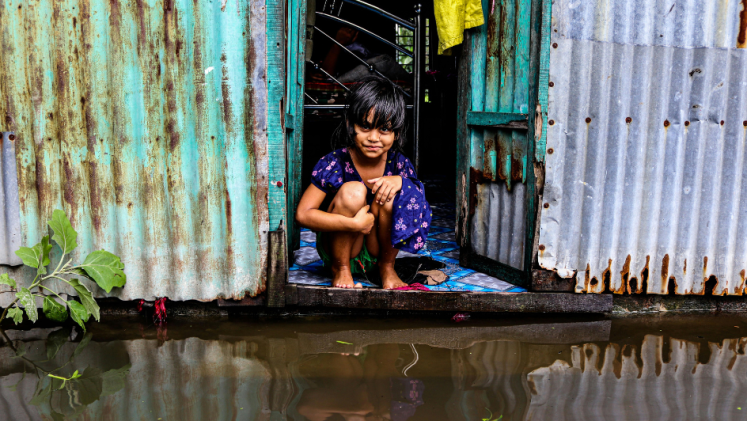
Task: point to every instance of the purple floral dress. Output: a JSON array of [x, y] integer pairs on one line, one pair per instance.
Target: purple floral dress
[[412, 213]]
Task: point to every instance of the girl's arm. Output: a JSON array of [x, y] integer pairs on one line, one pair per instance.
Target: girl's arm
[[309, 216]]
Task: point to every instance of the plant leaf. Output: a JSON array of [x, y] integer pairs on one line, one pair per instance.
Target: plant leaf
[[16, 314], [78, 313], [44, 248], [114, 380], [54, 310], [37, 256], [105, 269], [28, 302], [29, 255], [86, 299], [7, 280], [82, 344], [55, 340], [64, 234]]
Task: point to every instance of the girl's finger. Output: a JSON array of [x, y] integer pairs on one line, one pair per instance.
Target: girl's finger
[[373, 180], [384, 194], [391, 195], [379, 193]]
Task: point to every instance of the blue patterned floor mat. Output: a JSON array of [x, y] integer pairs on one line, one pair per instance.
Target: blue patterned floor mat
[[441, 246]]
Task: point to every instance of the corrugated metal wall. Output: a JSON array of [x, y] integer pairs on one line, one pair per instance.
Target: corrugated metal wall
[[146, 122], [500, 83], [646, 183], [664, 379]]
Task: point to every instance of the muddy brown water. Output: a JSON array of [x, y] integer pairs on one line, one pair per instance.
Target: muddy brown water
[[362, 368]]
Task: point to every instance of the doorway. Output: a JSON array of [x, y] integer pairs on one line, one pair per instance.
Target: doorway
[[473, 138]]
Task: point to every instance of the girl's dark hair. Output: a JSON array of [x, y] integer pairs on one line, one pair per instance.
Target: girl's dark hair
[[388, 103]]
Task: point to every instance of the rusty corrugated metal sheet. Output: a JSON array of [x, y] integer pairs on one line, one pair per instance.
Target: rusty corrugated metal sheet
[[663, 379], [146, 122], [645, 179]]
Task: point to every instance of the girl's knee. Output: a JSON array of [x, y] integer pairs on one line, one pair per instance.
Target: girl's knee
[[352, 195]]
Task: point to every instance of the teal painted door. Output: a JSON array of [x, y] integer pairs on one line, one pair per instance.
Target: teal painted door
[[286, 49], [294, 92], [495, 176]]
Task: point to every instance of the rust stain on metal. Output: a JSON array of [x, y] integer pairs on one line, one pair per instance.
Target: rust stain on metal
[[489, 155], [742, 36], [664, 270], [625, 275], [517, 168], [666, 123], [644, 277], [475, 177], [607, 277]]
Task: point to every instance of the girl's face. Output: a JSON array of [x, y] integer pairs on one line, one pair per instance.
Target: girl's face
[[373, 142]]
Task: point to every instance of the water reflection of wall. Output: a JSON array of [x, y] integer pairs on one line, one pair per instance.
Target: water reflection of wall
[[660, 379], [189, 379]]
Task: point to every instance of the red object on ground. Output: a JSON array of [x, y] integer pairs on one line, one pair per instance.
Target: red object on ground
[[460, 317], [160, 315], [140, 305], [413, 287]]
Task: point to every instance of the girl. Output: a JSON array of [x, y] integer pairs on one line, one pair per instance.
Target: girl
[[364, 199]]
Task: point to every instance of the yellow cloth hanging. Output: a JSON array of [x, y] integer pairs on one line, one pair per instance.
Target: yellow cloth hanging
[[452, 18]]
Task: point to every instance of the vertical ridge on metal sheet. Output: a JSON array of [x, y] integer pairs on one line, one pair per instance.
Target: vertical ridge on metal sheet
[[646, 182], [10, 222], [142, 122]]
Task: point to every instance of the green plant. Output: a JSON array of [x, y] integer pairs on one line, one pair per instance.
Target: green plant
[[75, 375], [102, 267]]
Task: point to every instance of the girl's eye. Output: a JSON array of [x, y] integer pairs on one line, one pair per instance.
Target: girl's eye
[[386, 129]]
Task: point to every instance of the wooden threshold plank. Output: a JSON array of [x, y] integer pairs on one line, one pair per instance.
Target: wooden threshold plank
[[523, 302]]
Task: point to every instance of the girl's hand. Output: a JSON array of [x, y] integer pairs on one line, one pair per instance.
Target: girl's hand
[[385, 188], [364, 220]]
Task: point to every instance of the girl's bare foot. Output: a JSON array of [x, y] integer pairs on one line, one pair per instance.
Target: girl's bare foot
[[342, 278], [389, 278]]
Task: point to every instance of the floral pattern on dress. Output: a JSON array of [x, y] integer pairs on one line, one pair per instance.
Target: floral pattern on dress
[[412, 213]]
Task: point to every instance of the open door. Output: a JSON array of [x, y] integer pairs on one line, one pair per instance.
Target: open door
[[496, 200]]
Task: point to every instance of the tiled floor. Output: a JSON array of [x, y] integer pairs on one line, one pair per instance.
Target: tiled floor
[[307, 267]]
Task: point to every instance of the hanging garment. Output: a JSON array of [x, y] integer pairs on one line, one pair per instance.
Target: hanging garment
[[452, 18]]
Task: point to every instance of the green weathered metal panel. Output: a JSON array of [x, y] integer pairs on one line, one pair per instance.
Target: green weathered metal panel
[[146, 122]]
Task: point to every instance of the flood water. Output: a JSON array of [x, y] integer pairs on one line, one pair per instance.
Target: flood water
[[360, 368]]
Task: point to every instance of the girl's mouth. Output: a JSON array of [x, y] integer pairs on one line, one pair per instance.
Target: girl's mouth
[[372, 148]]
